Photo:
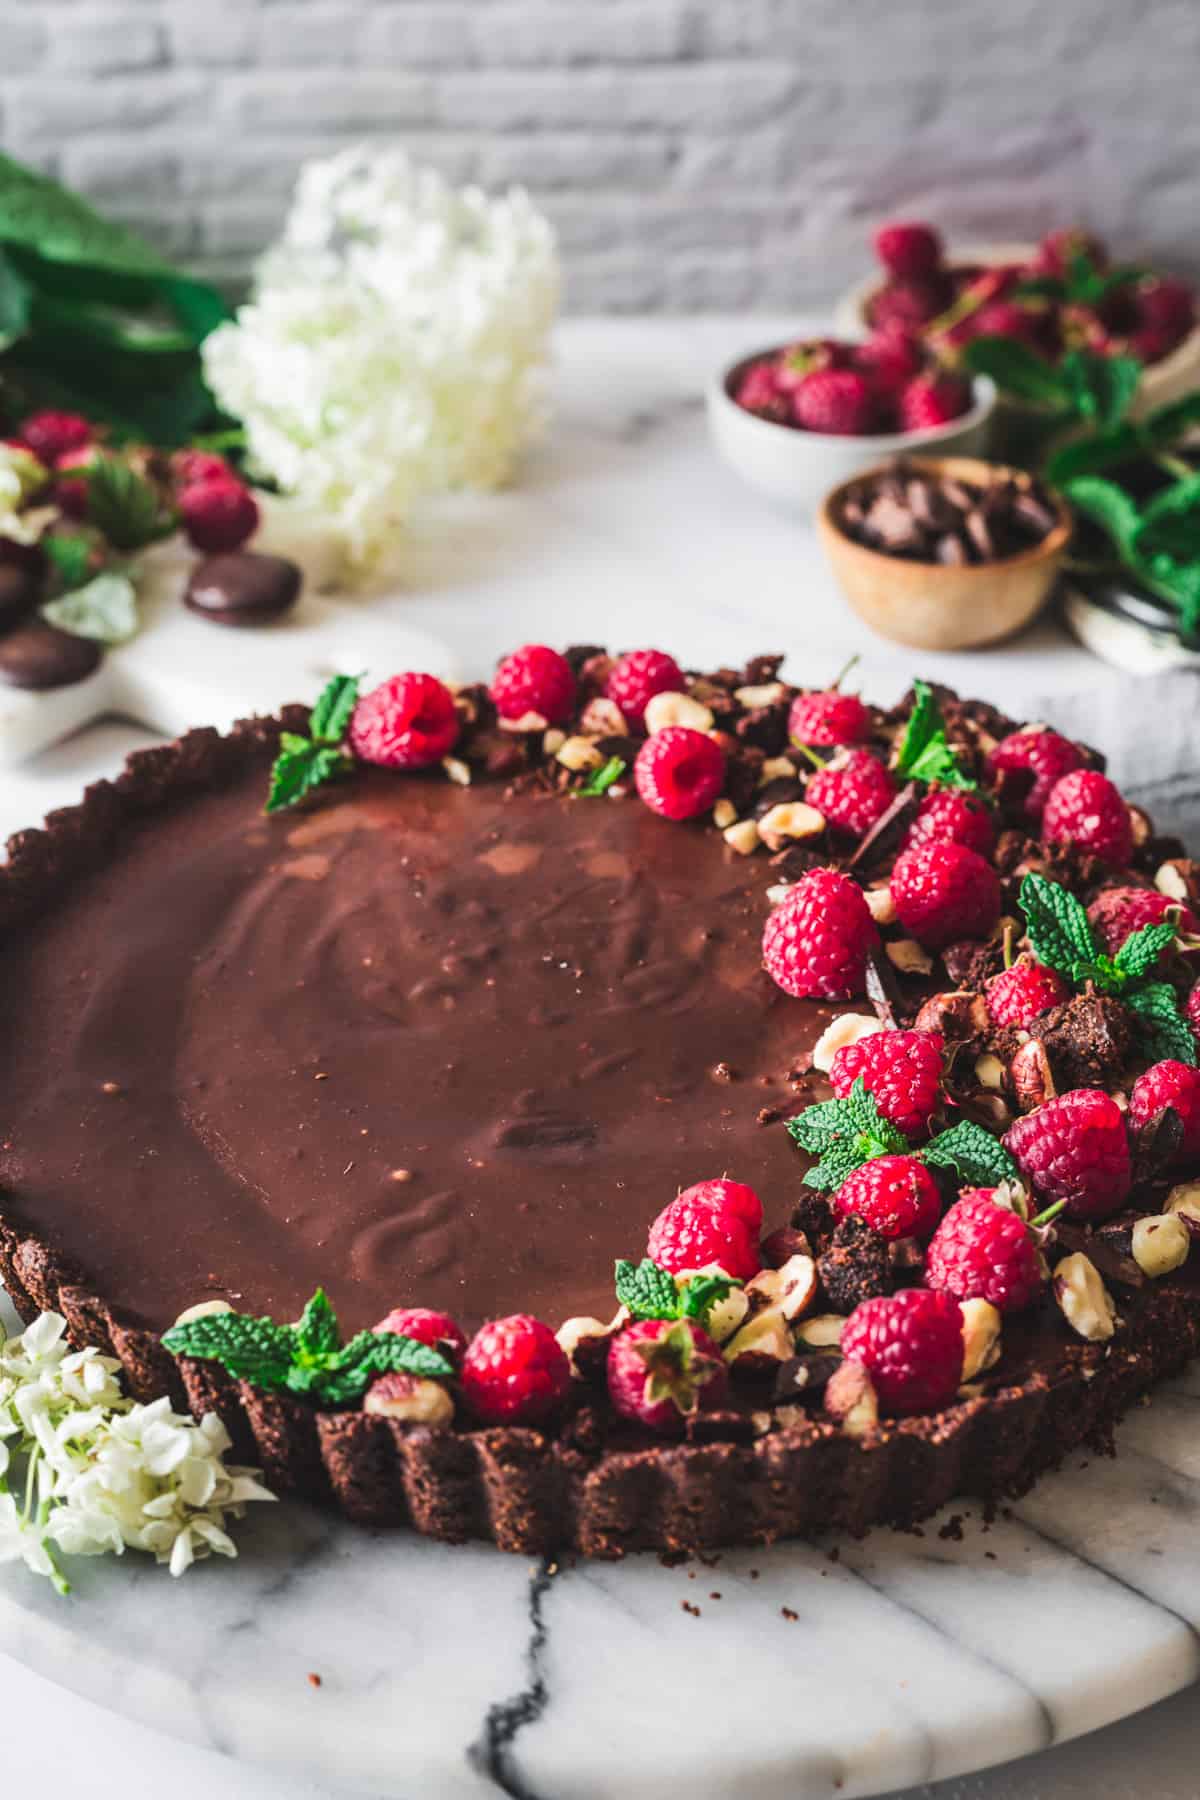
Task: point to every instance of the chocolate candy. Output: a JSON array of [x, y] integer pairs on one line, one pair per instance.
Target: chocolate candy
[[38, 655], [243, 587], [921, 517], [20, 588]]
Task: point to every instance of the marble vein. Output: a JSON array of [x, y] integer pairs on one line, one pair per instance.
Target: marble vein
[[492, 1751]]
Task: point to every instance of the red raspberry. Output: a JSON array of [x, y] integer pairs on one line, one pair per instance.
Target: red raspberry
[[50, 435], [954, 818], [933, 400], [515, 1372], [679, 772], [943, 892], [436, 1329], [1084, 808], [1075, 1148], [910, 304], [758, 391], [852, 791], [702, 1227], [1046, 753], [735, 1198], [192, 468], [911, 1345], [1024, 992], [70, 492], [1167, 306], [816, 940], [1176, 1085], [837, 402], [829, 718], [1006, 318], [1193, 1011], [637, 676], [889, 360], [1059, 249], [662, 1370], [1116, 912], [905, 247], [218, 515], [896, 1196], [982, 1251], [901, 1069], [534, 679], [407, 722]]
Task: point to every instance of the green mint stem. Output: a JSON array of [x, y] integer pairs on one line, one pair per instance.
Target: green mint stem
[[1051, 1212], [838, 679], [809, 754]]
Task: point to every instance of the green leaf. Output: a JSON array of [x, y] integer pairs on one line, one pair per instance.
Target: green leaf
[[1041, 287], [70, 555], [317, 1333], [330, 717], [1165, 1034], [104, 609], [1142, 950], [1100, 388], [977, 1157], [843, 1134], [924, 753], [298, 772], [14, 302], [1093, 453], [701, 1294], [1167, 425], [350, 1372], [1018, 371], [600, 780], [1057, 925], [648, 1291], [109, 327], [255, 1350], [1110, 507], [44, 217], [125, 506], [835, 1166]]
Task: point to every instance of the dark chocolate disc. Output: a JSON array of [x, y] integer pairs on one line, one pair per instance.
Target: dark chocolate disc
[[20, 590], [243, 587], [38, 655]]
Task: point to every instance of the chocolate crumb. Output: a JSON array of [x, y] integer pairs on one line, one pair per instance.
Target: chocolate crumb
[[788, 1614], [687, 1607], [314, 1680]]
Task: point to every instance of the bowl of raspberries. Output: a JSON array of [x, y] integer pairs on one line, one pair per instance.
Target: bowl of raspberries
[[792, 419], [1066, 292]]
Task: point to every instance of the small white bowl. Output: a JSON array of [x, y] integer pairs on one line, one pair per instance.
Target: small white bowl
[[797, 468]]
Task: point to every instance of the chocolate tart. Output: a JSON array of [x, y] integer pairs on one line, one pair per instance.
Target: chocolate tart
[[455, 1044]]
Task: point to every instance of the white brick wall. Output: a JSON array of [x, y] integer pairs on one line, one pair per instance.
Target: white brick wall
[[694, 153]]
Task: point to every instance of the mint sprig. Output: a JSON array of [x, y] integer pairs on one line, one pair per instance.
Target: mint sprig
[[601, 779], [1166, 1035], [974, 1154], [307, 1358], [307, 763], [124, 506], [843, 1134], [925, 755], [651, 1293]]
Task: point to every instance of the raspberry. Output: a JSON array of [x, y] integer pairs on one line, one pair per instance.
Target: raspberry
[[637, 676], [852, 791], [758, 391], [1192, 1010], [889, 360], [534, 679], [828, 718], [1024, 992], [218, 515], [436, 1329], [909, 305], [1005, 318], [407, 722], [943, 892], [679, 772], [192, 468], [1176, 1085], [708, 1225], [837, 402], [911, 1345], [50, 435], [1059, 249], [982, 1251], [896, 1196], [907, 248], [815, 942], [1046, 753], [954, 818], [515, 1372], [1116, 912], [1075, 1148], [70, 492], [662, 1370], [901, 1069], [1167, 306], [933, 400], [1085, 809]]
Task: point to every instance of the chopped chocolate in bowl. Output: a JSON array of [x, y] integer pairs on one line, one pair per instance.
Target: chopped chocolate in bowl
[[921, 515]]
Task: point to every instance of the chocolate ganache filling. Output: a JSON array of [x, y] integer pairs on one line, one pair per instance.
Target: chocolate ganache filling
[[420, 1044]]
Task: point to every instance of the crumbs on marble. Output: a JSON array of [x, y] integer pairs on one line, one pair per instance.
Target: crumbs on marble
[[313, 1679], [787, 1613], [687, 1607]]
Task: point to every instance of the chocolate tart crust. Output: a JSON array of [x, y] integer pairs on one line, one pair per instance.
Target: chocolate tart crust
[[524, 1490]]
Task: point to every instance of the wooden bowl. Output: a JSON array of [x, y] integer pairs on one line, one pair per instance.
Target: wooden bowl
[[935, 606]]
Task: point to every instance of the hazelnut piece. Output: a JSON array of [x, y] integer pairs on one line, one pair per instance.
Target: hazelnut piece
[[1161, 1244], [410, 1399], [981, 1337], [1085, 1301], [848, 1029]]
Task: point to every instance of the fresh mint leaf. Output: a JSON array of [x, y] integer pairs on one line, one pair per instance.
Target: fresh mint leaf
[[1018, 371], [1092, 453], [1100, 388], [254, 1350], [105, 609], [350, 1371], [330, 718], [15, 295], [924, 753], [1142, 950], [1165, 1034], [600, 780], [1057, 925], [978, 1158], [307, 763], [648, 1291], [125, 506], [701, 1294], [317, 1333], [71, 557], [843, 1134], [1110, 507], [1169, 425], [47, 219], [836, 1164]]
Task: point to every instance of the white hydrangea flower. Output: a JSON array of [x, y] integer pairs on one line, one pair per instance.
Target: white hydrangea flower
[[395, 342], [102, 1473]]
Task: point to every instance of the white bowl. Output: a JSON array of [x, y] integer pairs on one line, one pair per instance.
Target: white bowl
[[797, 468], [1161, 383]]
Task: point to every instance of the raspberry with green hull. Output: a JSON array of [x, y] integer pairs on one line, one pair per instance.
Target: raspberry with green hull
[[1086, 809], [901, 1070], [852, 792], [816, 941], [1045, 753], [984, 1251], [515, 1372], [896, 1196], [1177, 1085], [1075, 1148], [661, 1371], [911, 1345], [943, 892], [1018, 995]]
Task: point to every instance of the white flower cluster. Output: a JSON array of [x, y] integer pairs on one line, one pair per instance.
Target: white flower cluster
[[85, 1470], [394, 343]]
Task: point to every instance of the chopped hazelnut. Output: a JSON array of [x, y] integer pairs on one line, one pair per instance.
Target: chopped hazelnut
[[848, 1029], [576, 753], [776, 768], [553, 741], [724, 813], [907, 955], [850, 1399], [410, 1399], [763, 1341], [779, 892], [790, 822], [791, 1287], [1085, 1301], [880, 905], [742, 837], [981, 1337], [457, 770], [728, 1315], [203, 1309], [989, 1071], [1031, 1075], [770, 693], [530, 721], [1171, 880], [602, 717], [665, 710], [1161, 1244], [821, 1331]]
